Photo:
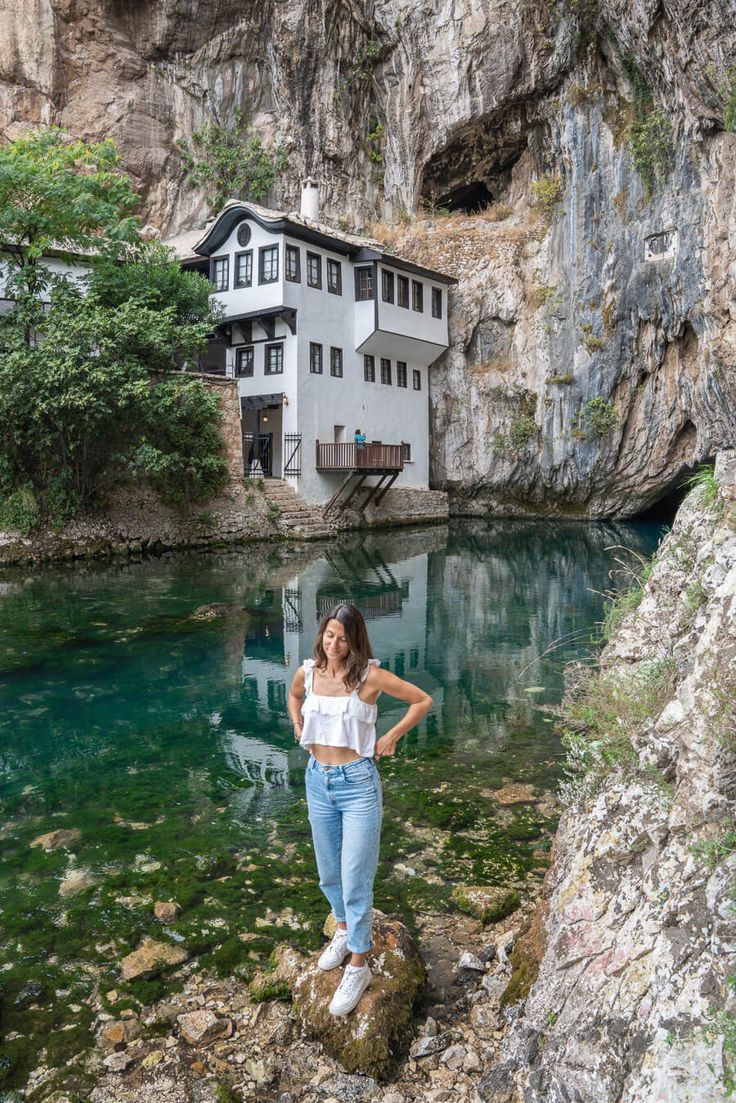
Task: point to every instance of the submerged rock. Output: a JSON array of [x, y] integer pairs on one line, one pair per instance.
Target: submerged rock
[[515, 793], [218, 610], [485, 902], [58, 840], [76, 881], [150, 957], [372, 1038], [166, 911]]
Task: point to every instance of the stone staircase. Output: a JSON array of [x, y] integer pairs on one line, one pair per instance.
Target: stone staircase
[[296, 518]]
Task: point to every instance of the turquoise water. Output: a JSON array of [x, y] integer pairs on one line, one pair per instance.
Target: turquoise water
[[163, 740]]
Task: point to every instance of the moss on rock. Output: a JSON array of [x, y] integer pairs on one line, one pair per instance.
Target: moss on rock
[[378, 1032], [526, 957], [485, 902]]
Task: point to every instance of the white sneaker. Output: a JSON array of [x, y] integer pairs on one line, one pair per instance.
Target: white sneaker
[[354, 982], [335, 953]]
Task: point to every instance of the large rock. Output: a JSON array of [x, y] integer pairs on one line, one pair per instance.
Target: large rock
[[151, 957], [486, 902], [626, 970], [372, 1038]]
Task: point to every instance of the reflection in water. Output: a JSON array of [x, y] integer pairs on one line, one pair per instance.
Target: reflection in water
[[164, 740]]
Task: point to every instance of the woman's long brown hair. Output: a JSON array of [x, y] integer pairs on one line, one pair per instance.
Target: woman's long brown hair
[[356, 633]]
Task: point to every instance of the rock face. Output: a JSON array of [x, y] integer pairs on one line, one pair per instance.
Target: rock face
[[639, 920], [619, 294]]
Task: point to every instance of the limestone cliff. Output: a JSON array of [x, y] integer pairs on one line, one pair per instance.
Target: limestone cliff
[[634, 998], [593, 335]]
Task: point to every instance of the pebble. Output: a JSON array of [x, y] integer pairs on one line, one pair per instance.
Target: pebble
[[430, 1028], [471, 961], [200, 1027], [424, 1047], [454, 1057], [118, 1062], [471, 1062]]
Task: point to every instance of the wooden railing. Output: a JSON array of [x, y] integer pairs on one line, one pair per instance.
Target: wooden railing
[[353, 457]]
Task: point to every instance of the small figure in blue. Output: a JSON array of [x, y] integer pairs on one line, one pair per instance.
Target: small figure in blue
[[359, 438], [332, 705]]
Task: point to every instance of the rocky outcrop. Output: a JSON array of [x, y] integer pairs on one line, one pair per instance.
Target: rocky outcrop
[[633, 1000]]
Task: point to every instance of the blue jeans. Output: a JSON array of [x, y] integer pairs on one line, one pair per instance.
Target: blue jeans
[[345, 806]]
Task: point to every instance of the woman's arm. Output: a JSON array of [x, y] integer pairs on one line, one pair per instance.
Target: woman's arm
[[296, 696], [419, 705]]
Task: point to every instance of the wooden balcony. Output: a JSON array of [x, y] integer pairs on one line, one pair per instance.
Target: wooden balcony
[[370, 459]]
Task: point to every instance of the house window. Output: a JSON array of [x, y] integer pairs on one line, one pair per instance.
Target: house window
[[369, 369], [244, 360], [314, 270], [293, 268], [315, 358], [244, 269], [402, 292], [363, 284], [385, 370], [400, 373], [268, 261], [417, 380], [334, 277], [336, 362], [274, 359], [436, 302], [417, 295], [220, 273], [405, 452], [387, 286]]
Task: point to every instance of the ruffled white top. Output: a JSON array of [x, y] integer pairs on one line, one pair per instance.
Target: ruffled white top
[[343, 721]]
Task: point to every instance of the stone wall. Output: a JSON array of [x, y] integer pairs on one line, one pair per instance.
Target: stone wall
[[639, 920], [230, 427], [401, 506]]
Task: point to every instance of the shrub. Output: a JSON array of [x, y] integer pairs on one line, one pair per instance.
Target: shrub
[[593, 344], [650, 142], [521, 431], [547, 193], [600, 416], [231, 162], [560, 379], [724, 82]]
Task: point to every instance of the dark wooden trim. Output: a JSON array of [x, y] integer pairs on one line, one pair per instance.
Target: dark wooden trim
[[242, 253], [213, 262], [261, 250], [314, 256], [295, 248]]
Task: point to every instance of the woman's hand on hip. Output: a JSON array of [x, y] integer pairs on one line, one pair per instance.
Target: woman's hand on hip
[[386, 745]]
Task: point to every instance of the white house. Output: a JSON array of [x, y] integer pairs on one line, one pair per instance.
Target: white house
[[327, 333]]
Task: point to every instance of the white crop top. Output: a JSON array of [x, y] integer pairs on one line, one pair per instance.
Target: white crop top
[[343, 721]]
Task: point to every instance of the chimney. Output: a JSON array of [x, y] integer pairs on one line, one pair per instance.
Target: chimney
[[310, 199]]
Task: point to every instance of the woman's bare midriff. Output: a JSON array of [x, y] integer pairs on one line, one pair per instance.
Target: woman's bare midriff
[[333, 756]]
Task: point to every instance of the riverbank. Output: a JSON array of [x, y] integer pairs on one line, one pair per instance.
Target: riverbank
[[135, 521]]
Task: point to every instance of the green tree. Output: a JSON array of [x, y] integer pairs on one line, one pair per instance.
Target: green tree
[[231, 162], [90, 394], [65, 196]]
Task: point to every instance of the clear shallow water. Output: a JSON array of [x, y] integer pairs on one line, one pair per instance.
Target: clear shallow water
[[165, 742]]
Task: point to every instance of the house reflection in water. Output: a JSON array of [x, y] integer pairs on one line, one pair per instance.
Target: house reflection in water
[[393, 599]]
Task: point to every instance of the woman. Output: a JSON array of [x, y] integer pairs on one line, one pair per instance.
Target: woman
[[332, 705]]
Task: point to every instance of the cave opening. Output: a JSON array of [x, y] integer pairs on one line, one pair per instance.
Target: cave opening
[[470, 198], [662, 509]]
